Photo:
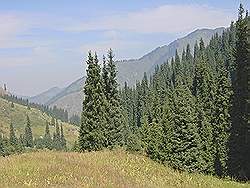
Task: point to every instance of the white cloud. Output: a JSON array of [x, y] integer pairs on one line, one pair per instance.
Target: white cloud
[[167, 19], [163, 19]]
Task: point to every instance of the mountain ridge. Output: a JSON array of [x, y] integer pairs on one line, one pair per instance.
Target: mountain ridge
[[45, 96], [132, 70]]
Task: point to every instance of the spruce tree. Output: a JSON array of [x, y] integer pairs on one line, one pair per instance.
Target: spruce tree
[[153, 139], [57, 137], [2, 152], [185, 144], [13, 138], [28, 137], [93, 120], [115, 130], [239, 165], [221, 119], [63, 140], [204, 91], [47, 137]]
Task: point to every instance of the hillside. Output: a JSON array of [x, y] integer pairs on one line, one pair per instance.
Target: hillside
[[38, 121], [97, 169], [132, 70]]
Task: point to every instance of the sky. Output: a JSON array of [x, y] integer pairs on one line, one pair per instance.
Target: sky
[[44, 43]]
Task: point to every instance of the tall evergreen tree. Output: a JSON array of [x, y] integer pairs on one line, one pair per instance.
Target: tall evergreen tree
[[204, 91], [47, 137], [239, 164], [57, 137], [28, 136], [221, 119], [93, 121], [13, 138], [114, 114], [2, 152], [185, 139], [63, 140]]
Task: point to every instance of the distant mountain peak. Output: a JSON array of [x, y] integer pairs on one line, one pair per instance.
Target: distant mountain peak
[[132, 70], [45, 96]]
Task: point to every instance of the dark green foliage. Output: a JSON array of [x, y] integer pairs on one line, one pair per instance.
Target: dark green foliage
[[13, 138], [47, 140], [221, 120], [239, 165], [28, 137], [57, 144], [115, 121], [203, 90], [185, 147], [2, 149], [153, 139], [181, 117], [93, 123], [103, 122], [63, 140]]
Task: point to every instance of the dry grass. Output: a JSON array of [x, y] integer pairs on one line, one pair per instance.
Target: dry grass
[[97, 169]]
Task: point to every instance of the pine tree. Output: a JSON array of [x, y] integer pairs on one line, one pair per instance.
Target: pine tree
[[57, 137], [185, 139], [63, 140], [93, 120], [221, 119], [28, 137], [204, 91], [115, 130], [168, 129], [47, 137], [153, 139], [2, 152], [13, 138], [239, 165], [21, 140]]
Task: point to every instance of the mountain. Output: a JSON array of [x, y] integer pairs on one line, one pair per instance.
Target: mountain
[[17, 116], [114, 168], [132, 70], [70, 97], [44, 97]]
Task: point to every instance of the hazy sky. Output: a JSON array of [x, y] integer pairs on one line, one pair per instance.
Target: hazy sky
[[43, 43]]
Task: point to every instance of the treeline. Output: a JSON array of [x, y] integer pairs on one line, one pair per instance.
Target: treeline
[[54, 111], [14, 144], [192, 113]]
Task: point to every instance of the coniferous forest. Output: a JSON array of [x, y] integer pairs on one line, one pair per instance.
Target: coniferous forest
[[192, 114], [184, 124]]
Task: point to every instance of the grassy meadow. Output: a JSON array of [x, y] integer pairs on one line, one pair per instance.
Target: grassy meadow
[[98, 169]]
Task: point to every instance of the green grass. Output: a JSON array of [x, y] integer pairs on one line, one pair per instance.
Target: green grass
[[38, 121], [97, 169]]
